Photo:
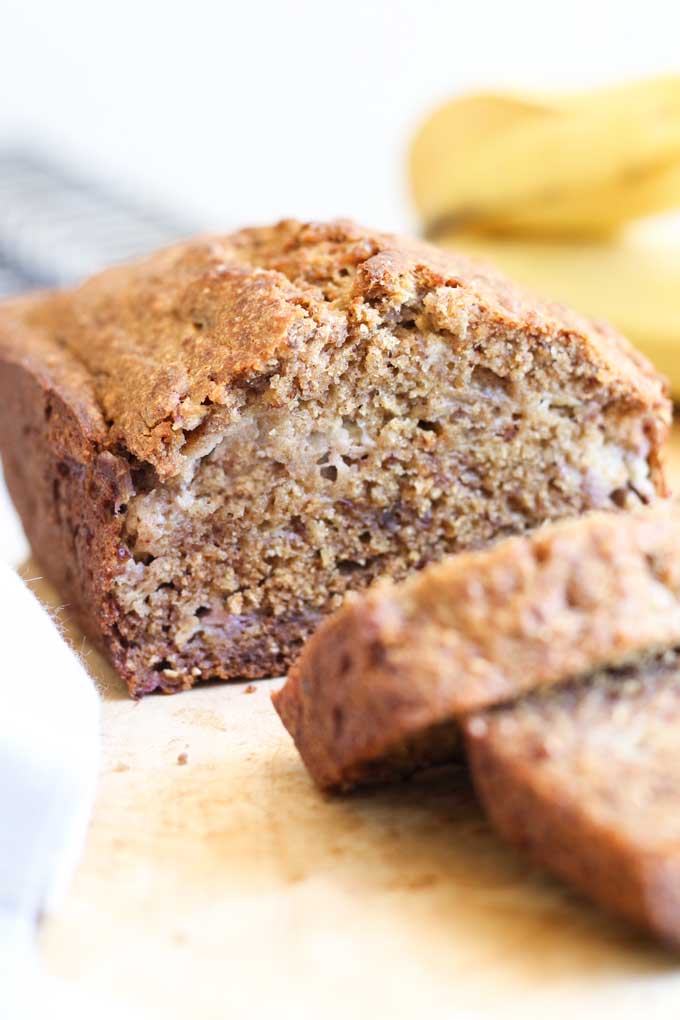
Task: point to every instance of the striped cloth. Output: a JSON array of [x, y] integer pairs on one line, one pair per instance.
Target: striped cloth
[[56, 226]]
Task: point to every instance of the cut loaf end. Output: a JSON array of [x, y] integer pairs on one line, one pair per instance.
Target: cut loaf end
[[211, 447]]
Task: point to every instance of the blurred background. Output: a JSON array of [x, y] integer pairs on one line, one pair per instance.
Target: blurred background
[[231, 113], [124, 125]]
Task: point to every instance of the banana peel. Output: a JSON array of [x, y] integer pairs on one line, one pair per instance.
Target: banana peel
[[580, 165]]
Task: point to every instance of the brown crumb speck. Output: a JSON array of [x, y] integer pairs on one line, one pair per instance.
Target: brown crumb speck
[[250, 689], [182, 758]]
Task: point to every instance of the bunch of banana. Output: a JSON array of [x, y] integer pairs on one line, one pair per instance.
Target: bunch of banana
[[546, 187]]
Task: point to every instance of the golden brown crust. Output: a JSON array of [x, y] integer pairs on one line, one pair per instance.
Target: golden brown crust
[[478, 629], [66, 486], [71, 493], [127, 386], [585, 778], [162, 340]]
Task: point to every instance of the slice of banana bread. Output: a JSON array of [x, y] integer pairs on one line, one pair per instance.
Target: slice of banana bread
[[378, 689], [208, 448], [586, 778]]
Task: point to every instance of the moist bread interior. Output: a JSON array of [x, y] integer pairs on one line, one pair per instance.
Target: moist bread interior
[[209, 447], [387, 440]]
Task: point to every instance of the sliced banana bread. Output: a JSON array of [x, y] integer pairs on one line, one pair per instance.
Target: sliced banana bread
[[379, 688], [586, 778], [210, 447]]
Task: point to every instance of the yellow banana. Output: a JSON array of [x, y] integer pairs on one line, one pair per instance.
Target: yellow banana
[[604, 209], [632, 282], [562, 165], [452, 132]]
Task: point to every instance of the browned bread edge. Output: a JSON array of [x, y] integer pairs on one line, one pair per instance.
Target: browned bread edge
[[558, 798], [478, 629]]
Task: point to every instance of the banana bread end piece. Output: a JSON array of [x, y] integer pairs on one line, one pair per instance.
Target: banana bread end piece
[[586, 779]]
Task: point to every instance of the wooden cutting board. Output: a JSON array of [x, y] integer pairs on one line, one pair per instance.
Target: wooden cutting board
[[217, 882]]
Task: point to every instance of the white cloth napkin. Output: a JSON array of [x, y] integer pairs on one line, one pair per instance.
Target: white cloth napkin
[[49, 741]]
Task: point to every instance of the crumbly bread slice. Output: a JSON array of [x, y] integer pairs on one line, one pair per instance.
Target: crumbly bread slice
[[210, 447], [378, 688], [586, 778]]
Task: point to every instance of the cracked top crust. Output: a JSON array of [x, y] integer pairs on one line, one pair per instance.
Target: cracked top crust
[[151, 351]]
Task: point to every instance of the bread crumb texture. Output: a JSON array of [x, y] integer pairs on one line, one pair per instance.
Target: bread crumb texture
[[477, 629], [288, 412], [586, 778]]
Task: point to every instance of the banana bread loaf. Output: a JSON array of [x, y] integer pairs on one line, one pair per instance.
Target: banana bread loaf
[[586, 778], [210, 447], [380, 687]]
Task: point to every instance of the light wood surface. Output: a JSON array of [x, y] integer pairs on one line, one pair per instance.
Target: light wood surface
[[227, 886]]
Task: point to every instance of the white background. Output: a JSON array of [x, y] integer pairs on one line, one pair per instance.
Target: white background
[[249, 111], [232, 113]]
